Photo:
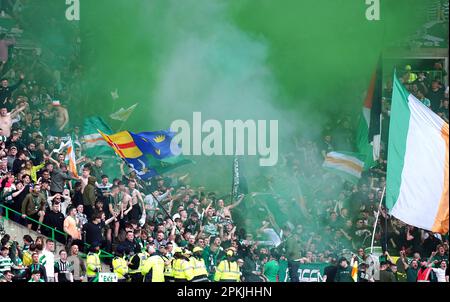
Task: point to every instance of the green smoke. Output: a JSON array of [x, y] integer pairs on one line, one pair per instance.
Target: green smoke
[[300, 62]]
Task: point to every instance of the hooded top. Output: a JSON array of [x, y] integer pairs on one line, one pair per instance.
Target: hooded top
[[89, 192]]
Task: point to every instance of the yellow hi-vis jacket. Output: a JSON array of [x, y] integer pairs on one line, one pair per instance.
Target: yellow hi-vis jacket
[[155, 266], [93, 264], [182, 270], [120, 267], [142, 257], [227, 271], [199, 268], [168, 271]]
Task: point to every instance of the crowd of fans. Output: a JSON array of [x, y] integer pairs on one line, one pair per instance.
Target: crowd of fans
[[169, 230]]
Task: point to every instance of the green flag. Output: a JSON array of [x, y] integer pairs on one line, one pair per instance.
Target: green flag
[[168, 164], [92, 142]]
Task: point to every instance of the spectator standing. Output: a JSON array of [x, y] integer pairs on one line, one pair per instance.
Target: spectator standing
[[33, 206], [55, 219], [47, 259], [63, 269], [271, 268], [77, 263], [441, 272], [6, 92], [344, 271], [436, 94], [385, 274], [36, 266], [425, 273]]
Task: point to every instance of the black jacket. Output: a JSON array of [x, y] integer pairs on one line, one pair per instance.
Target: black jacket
[[54, 220], [6, 92]]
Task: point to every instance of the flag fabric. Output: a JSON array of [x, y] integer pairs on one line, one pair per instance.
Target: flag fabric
[[239, 181], [115, 94], [369, 128], [158, 143], [70, 158], [347, 164], [93, 143], [128, 149], [417, 171], [123, 114], [375, 112], [355, 271]]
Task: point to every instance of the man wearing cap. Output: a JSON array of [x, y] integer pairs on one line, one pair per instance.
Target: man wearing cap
[[228, 269], [182, 269], [199, 267]]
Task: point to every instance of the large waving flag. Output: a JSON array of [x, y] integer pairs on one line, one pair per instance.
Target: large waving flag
[[158, 143], [93, 143], [369, 134], [70, 157], [123, 114], [417, 171], [347, 165], [134, 151]]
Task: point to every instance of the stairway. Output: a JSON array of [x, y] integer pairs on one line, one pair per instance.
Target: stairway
[[17, 231]]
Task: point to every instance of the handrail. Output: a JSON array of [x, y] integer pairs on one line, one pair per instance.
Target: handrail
[[53, 230], [33, 220]]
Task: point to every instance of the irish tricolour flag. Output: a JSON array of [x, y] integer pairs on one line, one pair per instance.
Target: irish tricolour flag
[[346, 164], [417, 172]]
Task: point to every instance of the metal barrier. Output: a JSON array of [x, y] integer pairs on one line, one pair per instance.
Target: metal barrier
[[103, 254]]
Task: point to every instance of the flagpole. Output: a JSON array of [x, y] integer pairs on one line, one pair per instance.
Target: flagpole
[[121, 125], [232, 178], [154, 197], [376, 220]]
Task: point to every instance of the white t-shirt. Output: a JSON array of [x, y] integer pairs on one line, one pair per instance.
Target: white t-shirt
[[440, 274], [48, 260]]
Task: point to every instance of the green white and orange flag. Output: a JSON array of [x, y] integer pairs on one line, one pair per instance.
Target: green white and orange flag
[[355, 271], [70, 156], [417, 171], [345, 164]]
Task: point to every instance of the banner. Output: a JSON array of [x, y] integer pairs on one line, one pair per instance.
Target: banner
[[312, 272]]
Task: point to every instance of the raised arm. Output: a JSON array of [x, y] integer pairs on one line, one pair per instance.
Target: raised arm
[[241, 197], [109, 220], [16, 112]]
